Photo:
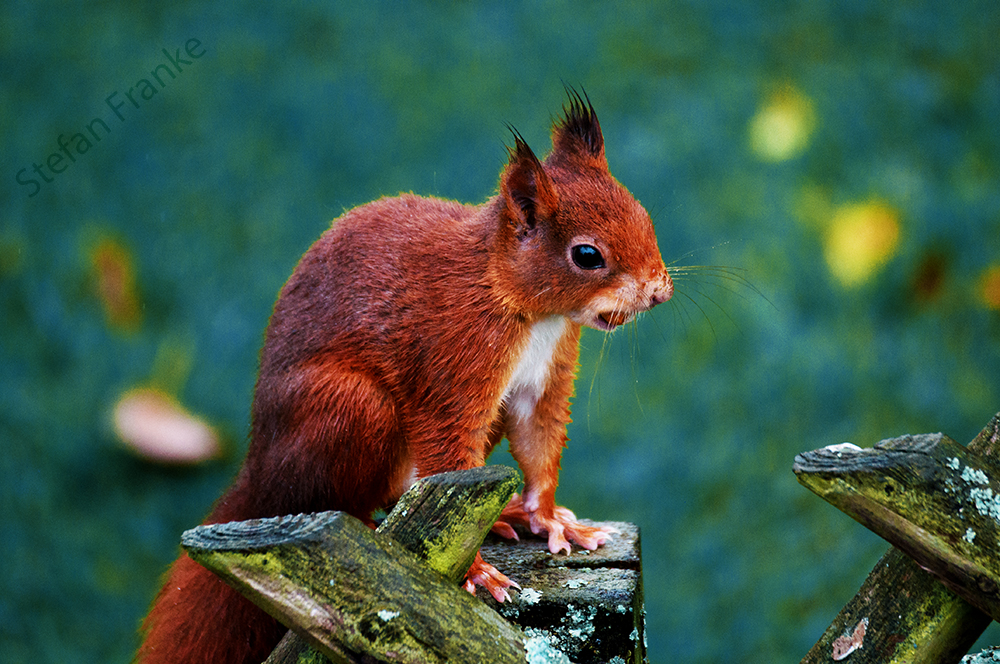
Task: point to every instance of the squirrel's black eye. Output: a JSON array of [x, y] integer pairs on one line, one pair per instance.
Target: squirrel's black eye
[[587, 257]]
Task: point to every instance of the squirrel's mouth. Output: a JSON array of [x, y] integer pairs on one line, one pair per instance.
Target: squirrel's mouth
[[612, 319]]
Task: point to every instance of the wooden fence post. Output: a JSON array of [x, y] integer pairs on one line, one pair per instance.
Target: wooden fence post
[[588, 603], [940, 503], [351, 595]]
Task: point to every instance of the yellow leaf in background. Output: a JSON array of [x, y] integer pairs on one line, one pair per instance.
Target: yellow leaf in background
[[114, 274], [989, 287], [860, 239], [782, 127]]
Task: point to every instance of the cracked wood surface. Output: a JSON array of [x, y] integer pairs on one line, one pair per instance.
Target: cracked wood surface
[[933, 499]]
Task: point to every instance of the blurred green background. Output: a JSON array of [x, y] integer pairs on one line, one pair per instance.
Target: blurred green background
[[840, 159]]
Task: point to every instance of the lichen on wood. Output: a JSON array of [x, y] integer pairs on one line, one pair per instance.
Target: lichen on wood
[[439, 524], [896, 490], [443, 519], [463, 503], [588, 604], [343, 588]]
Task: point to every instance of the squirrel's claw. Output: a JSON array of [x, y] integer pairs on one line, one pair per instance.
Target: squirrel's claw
[[483, 574], [505, 530], [559, 523]]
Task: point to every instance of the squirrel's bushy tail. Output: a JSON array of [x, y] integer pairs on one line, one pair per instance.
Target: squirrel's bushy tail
[[197, 619]]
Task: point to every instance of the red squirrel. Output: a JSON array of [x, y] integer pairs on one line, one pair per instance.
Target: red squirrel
[[412, 337]]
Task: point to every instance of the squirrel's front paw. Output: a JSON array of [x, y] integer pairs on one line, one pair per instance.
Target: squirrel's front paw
[[559, 523], [481, 573], [563, 528]]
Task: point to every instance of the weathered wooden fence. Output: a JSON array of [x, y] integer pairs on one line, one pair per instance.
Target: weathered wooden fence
[[350, 595], [938, 503]]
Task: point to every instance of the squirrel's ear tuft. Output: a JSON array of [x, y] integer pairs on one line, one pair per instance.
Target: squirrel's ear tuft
[[526, 189], [578, 133]]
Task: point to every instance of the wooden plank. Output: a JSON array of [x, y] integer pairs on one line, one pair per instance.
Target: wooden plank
[[927, 496], [294, 649], [587, 604], [910, 616], [348, 591], [441, 519], [444, 519]]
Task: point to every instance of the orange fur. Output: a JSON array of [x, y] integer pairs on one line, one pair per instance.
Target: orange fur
[[413, 336]]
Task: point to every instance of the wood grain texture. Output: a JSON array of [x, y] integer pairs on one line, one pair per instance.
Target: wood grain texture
[[454, 510], [588, 603], [912, 616], [443, 519], [346, 590]]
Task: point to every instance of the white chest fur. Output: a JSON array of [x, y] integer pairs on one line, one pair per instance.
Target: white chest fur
[[532, 370]]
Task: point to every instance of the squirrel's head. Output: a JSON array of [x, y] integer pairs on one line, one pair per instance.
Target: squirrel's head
[[572, 240]]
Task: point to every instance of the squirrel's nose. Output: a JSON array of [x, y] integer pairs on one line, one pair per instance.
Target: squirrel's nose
[[661, 288]]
